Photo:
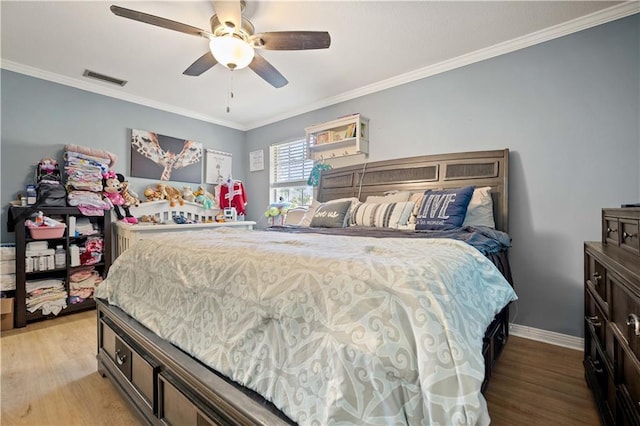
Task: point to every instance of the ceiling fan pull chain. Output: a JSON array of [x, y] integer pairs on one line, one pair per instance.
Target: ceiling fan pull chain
[[230, 92]]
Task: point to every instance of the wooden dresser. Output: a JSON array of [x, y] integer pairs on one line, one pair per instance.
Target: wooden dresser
[[612, 317]]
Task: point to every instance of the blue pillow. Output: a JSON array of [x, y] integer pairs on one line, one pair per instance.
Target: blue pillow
[[443, 209]]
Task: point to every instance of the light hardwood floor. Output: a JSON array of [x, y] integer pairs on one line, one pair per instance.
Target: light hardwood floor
[[48, 377]]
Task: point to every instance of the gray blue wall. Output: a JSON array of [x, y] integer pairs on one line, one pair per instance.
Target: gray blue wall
[[40, 117], [569, 112], [567, 109]]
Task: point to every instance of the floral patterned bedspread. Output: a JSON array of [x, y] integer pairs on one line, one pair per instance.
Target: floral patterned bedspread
[[331, 329]]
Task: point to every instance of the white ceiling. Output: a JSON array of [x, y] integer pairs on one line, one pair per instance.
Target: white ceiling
[[375, 45]]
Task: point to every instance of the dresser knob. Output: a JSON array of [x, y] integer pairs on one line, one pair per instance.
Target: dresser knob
[[633, 320], [594, 321], [596, 277], [609, 230], [626, 235]]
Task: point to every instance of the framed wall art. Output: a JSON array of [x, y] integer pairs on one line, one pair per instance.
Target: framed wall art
[[218, 167], [256, 160], [155, 156]]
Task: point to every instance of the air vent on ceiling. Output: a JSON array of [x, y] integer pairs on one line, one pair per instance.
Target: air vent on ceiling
[[104, 78]]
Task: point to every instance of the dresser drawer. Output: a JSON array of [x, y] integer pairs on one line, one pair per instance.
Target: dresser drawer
[[626, 314], [139, 371], [610, 231], [595, 320], [596, 281], [628, 229], [628, 394]]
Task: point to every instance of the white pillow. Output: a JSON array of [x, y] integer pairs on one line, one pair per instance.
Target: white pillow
[[295, 216], [480, 210], [390, 197], [308, 216], [381, 215]]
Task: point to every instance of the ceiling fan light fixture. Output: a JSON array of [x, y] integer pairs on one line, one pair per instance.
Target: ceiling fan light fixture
[[232, 52]]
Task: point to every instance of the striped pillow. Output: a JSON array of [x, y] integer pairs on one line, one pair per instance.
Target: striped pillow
[[381, 215]]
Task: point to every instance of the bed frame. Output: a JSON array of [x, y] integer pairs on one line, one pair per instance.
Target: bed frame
[[165, 385]]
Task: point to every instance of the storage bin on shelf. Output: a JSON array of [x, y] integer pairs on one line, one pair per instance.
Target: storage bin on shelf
[[46, 232], [6, 313]]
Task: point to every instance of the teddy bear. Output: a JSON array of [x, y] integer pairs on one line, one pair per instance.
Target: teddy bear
[[187, 194], [112, 193], [171, 194], [153, 194]]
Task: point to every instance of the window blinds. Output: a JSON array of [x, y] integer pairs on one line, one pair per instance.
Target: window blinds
[[289, 164]]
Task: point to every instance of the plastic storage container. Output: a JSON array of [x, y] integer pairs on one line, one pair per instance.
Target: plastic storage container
[[60, 257], [74, 252], [45, 232]]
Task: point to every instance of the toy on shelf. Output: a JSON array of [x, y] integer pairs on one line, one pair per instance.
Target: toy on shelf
[[164, 192], [187, 194], [206, 202], [171, 194], [130, 198], [112, 192], [153, 194]]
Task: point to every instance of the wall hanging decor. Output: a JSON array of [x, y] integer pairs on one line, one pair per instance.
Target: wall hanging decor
[[218, 167], [155, 156]]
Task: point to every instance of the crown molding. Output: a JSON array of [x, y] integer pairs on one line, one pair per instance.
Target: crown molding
[[594, 19], [112, 93], [617, 11]]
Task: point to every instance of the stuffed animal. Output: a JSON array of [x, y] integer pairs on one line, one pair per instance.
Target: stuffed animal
[[187, 194], [153, 194], [150, 219], [130, 197], [202, 191], [171, 194], [206, 202], [112, 193]]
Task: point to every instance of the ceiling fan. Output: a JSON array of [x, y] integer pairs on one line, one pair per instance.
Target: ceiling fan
[[233, 41]]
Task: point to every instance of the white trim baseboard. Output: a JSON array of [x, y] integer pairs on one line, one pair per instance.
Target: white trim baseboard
[[545, 336]]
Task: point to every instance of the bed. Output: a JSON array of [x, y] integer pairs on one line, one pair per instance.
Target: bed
[[413, 341]]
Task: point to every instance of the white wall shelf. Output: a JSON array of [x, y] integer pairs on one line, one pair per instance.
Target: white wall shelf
[[338, 138]]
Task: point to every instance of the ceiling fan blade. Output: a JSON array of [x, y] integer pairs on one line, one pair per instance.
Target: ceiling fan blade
[[229, 12], [159, 22], [202, 64], [267, 71], [293, 40]]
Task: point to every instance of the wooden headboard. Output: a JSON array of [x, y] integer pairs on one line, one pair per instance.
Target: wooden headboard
[[479, 168]]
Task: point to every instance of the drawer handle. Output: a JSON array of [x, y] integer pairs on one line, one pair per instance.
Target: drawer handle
[[120, 359], [633, 320], [596, 367], [609, 230], [594, 321], [596, 277], [626, 235]]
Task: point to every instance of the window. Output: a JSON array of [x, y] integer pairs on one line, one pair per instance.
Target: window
[[290, 170]]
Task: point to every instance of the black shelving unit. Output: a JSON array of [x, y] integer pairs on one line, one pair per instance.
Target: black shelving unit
[[22, 316]]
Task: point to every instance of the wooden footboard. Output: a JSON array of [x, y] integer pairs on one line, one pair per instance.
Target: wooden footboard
[[164, 384]]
